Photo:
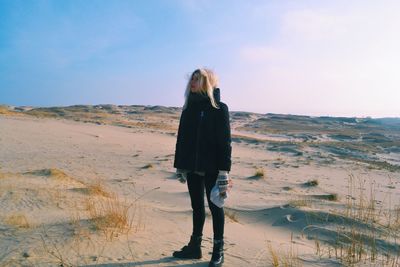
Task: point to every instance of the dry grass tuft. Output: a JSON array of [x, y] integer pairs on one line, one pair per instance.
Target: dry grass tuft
[[301, 202], [6, 111], [111, 216], [94, 188], [103, 220], [259, 173], [18, 220], [97, 188], [329, 197], [332, 197], [40, 113], [274, 255], [231, 215], [311, 183], [365, 235], [148, 166], [288, 258], [53, 173]]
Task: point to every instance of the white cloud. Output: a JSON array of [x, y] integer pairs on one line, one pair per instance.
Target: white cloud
[[328, 60], [314, 25]]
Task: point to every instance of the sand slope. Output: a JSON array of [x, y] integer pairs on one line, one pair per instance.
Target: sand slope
[[59, 178]]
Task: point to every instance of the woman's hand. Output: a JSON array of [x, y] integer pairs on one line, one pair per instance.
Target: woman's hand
[[224, 183]]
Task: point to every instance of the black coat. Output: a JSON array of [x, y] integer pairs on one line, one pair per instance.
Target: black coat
[[204, 137]]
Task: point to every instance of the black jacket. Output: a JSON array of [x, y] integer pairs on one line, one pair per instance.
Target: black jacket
[[204, 137]]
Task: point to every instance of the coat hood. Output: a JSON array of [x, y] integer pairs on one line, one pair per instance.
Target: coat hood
[[195, 97]]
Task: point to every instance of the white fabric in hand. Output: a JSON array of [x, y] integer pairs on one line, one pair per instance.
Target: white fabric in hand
[[220, 190], [216, 197]]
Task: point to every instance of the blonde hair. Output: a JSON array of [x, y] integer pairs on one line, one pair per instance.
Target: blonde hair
[[208, 82]]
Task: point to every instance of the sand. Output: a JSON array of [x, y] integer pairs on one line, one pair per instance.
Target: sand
[[65, 187]]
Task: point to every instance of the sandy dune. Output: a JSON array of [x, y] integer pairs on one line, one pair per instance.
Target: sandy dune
[[93, 194]]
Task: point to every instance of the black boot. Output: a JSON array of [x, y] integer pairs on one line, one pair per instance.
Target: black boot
[[191, 251], [218, 254]]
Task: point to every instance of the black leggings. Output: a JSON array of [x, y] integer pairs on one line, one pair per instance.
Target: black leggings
[[196, 184]]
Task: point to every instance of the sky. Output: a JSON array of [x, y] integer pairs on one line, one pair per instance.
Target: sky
[[304, 57]]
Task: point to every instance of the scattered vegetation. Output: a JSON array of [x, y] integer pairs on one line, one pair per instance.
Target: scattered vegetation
[[53, 173], [382, 165], [288, 258], [4, 110], [111, 216], [300, 202], [148, 166], [238, 138], [329, 197], [97, 188], [359, 232], [366, 234], [18, 220], [311, 183], [260, 173], [122, 116], [231, 215]]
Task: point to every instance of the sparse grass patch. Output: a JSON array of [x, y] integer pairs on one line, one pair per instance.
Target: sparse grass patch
[[329, 197], [53, 173], [247, 139], [111, 216], [231, 215], [364, 235], [79, 231], [6, 111], [103, 220], [260, 173], [97, 188], [18, 220], [378, 165], [288, 258], [301, 202], [287, 188], [40, 113], [148, 166], [311, 183], [396, 219], [274, 256]]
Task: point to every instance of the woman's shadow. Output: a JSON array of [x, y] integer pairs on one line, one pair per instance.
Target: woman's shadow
[[173, 262]]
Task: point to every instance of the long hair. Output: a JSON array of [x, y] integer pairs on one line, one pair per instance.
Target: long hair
[[208, 82]]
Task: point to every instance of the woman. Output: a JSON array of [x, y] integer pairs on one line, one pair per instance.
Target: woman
[[203, 158]]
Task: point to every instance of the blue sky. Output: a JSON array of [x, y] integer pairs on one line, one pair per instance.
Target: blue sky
[[335, 58]]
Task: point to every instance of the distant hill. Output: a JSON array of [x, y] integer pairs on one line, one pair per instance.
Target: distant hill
[[372, 141]]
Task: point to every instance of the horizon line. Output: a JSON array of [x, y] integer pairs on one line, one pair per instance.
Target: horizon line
[[244, 111]]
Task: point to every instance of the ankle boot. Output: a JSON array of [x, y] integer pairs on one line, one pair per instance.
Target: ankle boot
[[191, 251], [218, 254]]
